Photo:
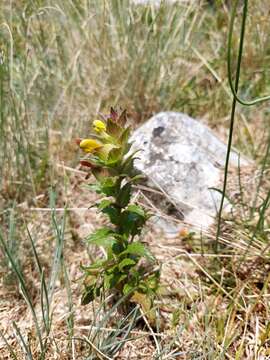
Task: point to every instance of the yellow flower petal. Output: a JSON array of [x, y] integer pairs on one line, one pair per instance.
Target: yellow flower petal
[[99, 126], [90, 145]]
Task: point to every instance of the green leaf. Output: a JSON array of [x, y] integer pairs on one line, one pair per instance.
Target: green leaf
[[94, 268], [109, 186], [112, 279], [122, 277], [109, 208], [143, 287], [88, 295], [153, 281], [126, 262], [136, 209], [126, 148], [95, 187], [124, 195], [132, 220], [128, 288], [113, 213], [128, 163], [135, 248], [118, 248], [123, 139], [104, 204], [176, 317], [102, 237], [138, 177], [114, 156]]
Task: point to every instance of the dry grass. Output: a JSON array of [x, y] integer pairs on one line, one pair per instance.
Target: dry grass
[[209, 306], [63, 63]]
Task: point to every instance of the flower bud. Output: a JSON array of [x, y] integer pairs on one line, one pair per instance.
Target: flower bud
[[90, 145], [99, 126]]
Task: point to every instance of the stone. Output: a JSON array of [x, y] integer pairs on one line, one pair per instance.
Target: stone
[[183, 159]]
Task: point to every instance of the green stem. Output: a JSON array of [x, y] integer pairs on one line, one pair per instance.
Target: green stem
[[234, 102], [234, 88]]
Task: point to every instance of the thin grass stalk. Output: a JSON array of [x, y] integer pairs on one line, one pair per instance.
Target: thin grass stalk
[[59, 233], [124, 338], [97, 353], [233, 87], [43, 290], [24, 290], [236, 99], [9, 347], [108, 315], [70, 319], [24, 346], [233, 109]]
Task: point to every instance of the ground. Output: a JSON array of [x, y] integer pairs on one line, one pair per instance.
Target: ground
[[191, 297]]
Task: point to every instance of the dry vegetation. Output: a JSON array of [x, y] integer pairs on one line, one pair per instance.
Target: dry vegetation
[[61, 63]]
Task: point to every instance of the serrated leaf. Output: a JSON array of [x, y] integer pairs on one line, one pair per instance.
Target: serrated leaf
[[143, 287], [94, 268], [113, 213], [113, 114], [109, 186], [128, 163], [104, 204], [137, 248], [126, 262], [106, 152], [124, 195], [114, 156], [112, 279], [102, 237], [128, 288], [122, 277], [136, 209], [153, 281], [132, 220], [117, 248]]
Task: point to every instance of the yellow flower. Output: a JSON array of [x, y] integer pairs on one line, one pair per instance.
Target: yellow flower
[[99, 126], [90, 145]]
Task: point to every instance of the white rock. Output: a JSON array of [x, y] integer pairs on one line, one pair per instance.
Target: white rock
[[183, 158]]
